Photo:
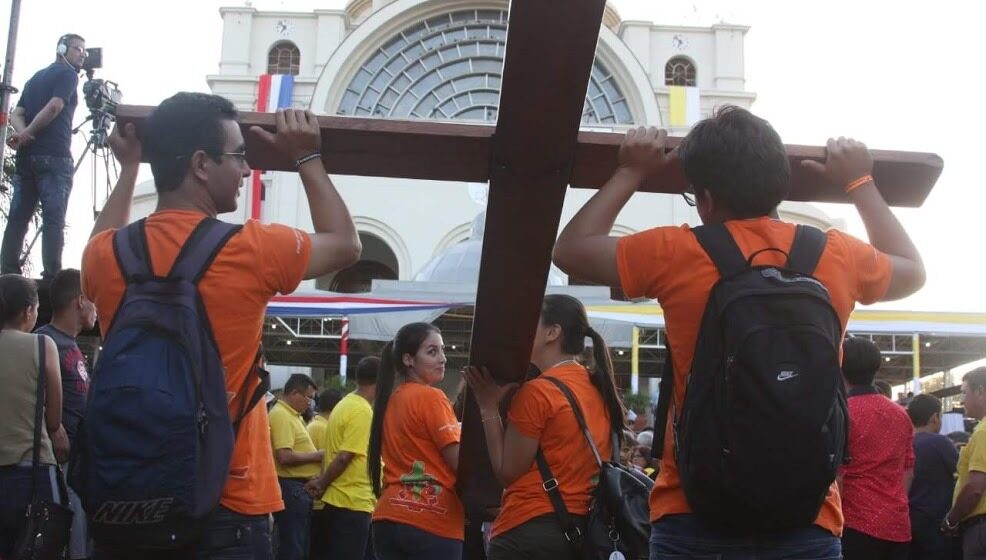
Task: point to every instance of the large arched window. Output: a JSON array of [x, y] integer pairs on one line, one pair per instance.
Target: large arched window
[[449, 68], [679, 71], [284, 58]]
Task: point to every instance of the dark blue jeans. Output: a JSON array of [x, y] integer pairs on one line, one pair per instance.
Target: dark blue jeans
[[228, 536], [44, 179], [676, 537], [15, 495], [345, 533], [294, 523], [397, 541]]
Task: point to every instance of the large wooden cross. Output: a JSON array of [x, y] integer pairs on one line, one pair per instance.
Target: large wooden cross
[[529, 158]]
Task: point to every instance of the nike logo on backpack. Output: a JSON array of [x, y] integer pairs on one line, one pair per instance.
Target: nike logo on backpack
[[786, 374]]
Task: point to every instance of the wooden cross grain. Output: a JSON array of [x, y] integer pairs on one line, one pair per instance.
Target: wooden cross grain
[[529, 158]]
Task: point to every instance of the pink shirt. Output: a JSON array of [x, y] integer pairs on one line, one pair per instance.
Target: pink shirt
[[873, 497]]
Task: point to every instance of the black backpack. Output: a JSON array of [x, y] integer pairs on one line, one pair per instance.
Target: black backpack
[[619, 513], [764, 426]]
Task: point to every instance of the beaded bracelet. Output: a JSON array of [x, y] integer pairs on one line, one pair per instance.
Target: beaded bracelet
[[305, 159], [859, 182]]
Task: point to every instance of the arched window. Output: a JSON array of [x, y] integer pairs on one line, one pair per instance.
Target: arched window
[[449, 67], [679, 71], [284, 58]]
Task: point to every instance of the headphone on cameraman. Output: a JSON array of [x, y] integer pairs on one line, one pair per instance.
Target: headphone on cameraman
[[62, 48]]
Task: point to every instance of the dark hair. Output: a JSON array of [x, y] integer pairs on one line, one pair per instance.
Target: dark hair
[[976, 379], [922, 408], [180, 126], [69, 37], [65, 287], [328, 399], [885, 388], [298, 382], [17, 293], [860, 361], [569, 314], [739, 159], [408, 340], [366, 371]]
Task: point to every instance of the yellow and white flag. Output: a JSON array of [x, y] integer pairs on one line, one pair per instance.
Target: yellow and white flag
[[685, 106]]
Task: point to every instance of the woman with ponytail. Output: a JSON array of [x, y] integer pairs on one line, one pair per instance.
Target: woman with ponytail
[[19, 375], [540, 417], [418, 514]]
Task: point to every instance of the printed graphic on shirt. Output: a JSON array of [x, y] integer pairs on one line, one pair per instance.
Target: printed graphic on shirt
[[419, 491]]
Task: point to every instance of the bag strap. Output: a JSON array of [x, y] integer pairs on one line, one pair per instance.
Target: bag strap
[[550, 484], [579, 417], [201, 248], [717, 242], [38, 414], [664, 396], [258, 393], [809, 243], [132, 253]]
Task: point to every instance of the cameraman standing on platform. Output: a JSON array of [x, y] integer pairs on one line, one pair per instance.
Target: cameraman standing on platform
[[44, 165]]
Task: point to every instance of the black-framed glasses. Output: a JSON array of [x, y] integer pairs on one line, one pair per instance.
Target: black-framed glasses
[[689, 196]]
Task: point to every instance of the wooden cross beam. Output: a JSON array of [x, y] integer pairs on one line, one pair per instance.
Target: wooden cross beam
[[530, 157]]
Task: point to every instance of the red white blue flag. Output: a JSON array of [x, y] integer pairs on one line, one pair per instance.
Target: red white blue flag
[[274, 91]]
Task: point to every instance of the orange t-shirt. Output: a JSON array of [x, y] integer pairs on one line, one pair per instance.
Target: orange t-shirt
[[539, 410], [418, 485], [667, 263], [257, 263]]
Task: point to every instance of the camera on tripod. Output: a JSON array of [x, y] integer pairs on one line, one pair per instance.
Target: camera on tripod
[[102, 96]]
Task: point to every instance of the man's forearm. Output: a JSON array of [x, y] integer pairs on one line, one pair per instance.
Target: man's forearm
[[42, 119], [116, 210], [336, 467], [329, 212], [882, 227], [598, 215], [965, 503], [17, 120]]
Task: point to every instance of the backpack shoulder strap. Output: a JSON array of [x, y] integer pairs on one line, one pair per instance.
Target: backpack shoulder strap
[[661, 413], [719, 244], [579, 417], [809, 243], [201, 248], [131, 252]]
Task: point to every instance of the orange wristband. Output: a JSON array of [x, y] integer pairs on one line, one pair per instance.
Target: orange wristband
[[859, 182]]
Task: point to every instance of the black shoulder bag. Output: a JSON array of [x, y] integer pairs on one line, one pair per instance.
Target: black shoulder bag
[[46, 531]]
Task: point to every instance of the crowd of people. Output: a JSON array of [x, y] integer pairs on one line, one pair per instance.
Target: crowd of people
[[373, 474]]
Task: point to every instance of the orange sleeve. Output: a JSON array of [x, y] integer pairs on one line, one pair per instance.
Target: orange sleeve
[[530, 409], [440, 420], [873, 270], [94, 261], [284, 254], [644, 260]]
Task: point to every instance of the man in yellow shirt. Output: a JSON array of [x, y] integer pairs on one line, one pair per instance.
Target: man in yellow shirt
[[969, 508], [296, 461], [344, 486], [327, 400]]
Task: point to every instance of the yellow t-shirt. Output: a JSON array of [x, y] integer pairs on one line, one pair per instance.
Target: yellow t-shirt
[[973, 458], [316, 429], [287, 431], [349, 430]]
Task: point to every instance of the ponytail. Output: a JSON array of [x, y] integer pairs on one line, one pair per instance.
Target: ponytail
[[602, 377], [408, 340], [386, 377], [569, 314]]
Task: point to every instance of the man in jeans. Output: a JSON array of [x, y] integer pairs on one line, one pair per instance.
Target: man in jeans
[[71, 313], [344, 485], [935, 461], [297, 462], [739, 172], [968, 512], [198, 157], [43, 140]]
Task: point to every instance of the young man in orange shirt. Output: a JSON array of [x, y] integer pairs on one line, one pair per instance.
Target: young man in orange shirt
[[197, 155], [739, 173]]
